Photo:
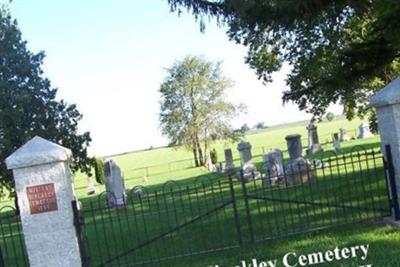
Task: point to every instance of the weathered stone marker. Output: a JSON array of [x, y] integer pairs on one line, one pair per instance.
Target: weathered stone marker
[[313, 140], [387, 104], [44, 188], [91, 188], [229, 165], [336, 142], [363, 131], [299, 169], [294, 146], [249, 169], [114, 184], [343, 135], [273, 164]]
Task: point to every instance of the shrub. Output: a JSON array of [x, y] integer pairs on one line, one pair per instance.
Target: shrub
[[99, 170], [373, 122], [214, 156]]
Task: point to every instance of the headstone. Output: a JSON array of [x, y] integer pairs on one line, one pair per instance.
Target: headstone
[[91, 189], [273, 164], [343, 135], [249, 169], [299, 169], [363, 131], [336, 142], [114, 184], [45, 193], [313, 140], [294, 146], [244, 149], [387, 105], [229, 165]]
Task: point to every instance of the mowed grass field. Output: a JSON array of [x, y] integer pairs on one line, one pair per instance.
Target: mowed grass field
[[159, 165], [175, 163]]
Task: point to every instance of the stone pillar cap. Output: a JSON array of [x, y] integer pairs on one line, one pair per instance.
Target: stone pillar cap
[[389, 95], [37, 151]]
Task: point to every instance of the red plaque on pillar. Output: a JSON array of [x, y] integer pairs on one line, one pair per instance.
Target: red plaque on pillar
[[42, 198]]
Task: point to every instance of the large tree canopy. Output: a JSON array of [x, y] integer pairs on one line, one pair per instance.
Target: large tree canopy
[[340, 51], [194, 111], [28, 106]]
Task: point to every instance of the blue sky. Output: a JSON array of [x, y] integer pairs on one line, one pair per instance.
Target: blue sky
[[109, 57]]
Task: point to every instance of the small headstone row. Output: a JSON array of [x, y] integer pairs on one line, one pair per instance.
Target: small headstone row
[[298, 170]]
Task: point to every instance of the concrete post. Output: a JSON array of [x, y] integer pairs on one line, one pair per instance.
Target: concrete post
[[387, 105], [45, 191]]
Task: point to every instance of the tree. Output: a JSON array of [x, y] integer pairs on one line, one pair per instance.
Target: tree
[[330, 116], [28, 106], [99, 170], [214, 156], [194, 111], [260, 125], [339, 51], [245, 128]]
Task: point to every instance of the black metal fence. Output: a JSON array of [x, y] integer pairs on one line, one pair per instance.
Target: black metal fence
[[205, 216], [200, 216], [320, 194], [12, 245]]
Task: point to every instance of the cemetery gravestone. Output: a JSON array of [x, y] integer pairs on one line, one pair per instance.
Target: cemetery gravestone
[[91, 189], [273, 164], [249, 169], [299, 169], [363, 131], [343, 135], [229, 165], [44, 189], [336, 142], [114, 184], [313, 140]]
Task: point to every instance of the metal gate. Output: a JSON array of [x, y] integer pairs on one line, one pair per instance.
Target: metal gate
[[159, 224]]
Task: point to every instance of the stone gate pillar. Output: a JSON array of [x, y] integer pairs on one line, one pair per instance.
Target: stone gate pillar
[[45, 191], [387, 104]]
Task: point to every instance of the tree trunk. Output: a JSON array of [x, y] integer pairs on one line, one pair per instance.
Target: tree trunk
[[201, 158], [196, 160], [205, 158]]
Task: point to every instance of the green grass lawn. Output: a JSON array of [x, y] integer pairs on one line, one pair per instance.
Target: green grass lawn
[[162, 164], [383, 252]]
